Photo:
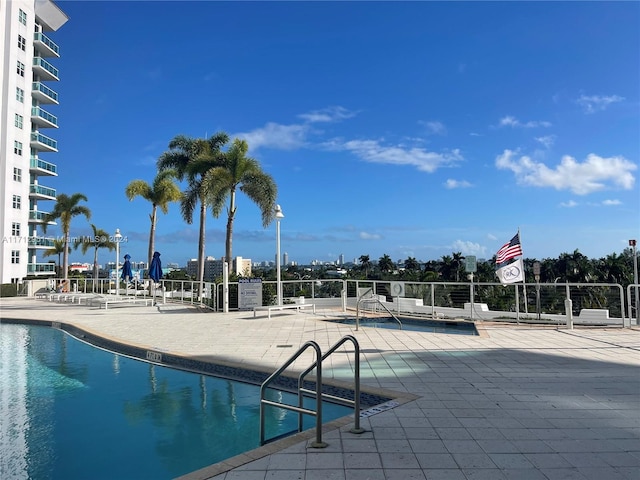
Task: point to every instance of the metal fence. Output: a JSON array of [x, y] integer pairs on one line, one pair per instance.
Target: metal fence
[[594, 303]]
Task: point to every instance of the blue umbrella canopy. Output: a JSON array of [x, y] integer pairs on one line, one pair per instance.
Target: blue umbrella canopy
[[126, 268], [155, 269]]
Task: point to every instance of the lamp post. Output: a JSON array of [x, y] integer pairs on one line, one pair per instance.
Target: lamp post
[[117, 237], [536, 274], [632, 244], [279, 216]]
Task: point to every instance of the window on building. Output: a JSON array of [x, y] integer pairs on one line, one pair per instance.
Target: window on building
[[17, 174], [15, 229], [17, 147], [19, 120], [22, 43], [20, 68], [15, 256], [20, 94], [16, 202], [22, 17]]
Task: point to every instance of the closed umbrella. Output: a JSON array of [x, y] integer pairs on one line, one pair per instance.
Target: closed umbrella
[[126, 275], [155, 269]]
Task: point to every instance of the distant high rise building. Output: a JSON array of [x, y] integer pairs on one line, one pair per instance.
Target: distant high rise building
[[25, 70], [213, 268], [285, 259], [341, 261]]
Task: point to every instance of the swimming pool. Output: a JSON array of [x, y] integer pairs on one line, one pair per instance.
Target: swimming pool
[[73, 411], [414, 325]]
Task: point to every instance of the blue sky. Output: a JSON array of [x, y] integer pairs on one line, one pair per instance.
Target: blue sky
[[412, 129]]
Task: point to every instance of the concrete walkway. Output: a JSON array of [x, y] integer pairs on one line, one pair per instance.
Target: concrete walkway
[[519, 403]]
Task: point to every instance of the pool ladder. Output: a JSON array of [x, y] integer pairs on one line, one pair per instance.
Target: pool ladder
[[373, 299], [317, 393]]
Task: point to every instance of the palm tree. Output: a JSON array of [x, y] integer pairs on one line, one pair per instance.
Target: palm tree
[[365, 263], [57, 249], [385, 263], [192, 158], [100, 239], [160, 193], [239, 173], [65, 209]]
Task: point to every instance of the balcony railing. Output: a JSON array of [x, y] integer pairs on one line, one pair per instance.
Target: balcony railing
[[42, 142], [43, 118], [45, 45], [44, 69], [39, 216], [41, 268], [47, 168], [43, 93], [41, 242], [40, 191]]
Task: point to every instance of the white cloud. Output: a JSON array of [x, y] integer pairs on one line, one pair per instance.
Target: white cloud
[[510, 121], [547, 140], [434, 127], [329, 114], [468, 248], [373, 151], [275, 135], [569, 204], [594, 103], [594, 174], [451, 184], [369, 236], [609, 203]]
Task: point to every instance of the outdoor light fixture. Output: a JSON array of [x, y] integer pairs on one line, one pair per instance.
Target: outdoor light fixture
[[279, 216], [117, 238]]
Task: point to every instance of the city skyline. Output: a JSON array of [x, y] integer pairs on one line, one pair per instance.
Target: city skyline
[[412, 129]]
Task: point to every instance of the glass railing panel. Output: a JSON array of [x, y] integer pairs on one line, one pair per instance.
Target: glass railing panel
[[39, 112], [40, 190], [41, 37], [37, 215], [38, 137], [39, 61], [41, 87], [41, 242], [41, 164], [41, 267]]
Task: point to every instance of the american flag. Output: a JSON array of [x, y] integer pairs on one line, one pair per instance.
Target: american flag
[[509, 250]]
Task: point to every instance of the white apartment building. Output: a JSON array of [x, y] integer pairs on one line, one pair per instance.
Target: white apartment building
[[26, 95], [213, 268]]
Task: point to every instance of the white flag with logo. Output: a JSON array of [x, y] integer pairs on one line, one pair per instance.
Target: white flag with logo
[[512, 273]]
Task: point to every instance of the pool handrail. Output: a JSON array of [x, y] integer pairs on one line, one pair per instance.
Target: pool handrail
[[373, 299], [356, 384]]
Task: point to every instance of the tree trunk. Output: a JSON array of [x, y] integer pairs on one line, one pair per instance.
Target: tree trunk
[[65, 256], [232, 214], [201, 240], [152, 234]]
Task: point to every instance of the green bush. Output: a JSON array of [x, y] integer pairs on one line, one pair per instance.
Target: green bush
[[8, 290]]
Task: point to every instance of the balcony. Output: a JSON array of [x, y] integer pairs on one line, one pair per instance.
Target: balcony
[[42, 193], [41, 268], [44, 69], [36, 216], [45, 46], [41, 242], [43, 143], [41, 167], [42, 118], [43, 93]]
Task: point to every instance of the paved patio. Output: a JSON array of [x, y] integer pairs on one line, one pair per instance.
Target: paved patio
[[517, 402]]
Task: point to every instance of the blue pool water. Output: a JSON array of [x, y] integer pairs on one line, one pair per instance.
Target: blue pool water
[[70, 411], [414, 325]]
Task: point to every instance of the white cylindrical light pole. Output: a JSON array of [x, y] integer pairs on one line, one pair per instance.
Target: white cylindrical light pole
[[632, 244], [279, 216], [117, 237]]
